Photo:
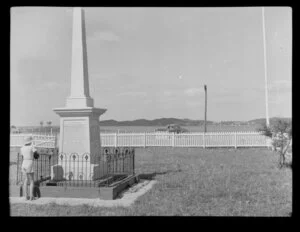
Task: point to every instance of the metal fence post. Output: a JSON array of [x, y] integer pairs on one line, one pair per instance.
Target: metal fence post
[[144, 139], [133, 161], [116, 140], [17, 169], [204, 140]]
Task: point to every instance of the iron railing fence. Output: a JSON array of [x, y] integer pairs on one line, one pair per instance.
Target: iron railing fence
[[41, 168], [111, 165]]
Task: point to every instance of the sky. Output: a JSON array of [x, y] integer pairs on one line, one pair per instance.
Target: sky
[[153, 62]]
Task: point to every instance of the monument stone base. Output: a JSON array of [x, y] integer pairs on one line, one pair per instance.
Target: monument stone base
[[79, 136]]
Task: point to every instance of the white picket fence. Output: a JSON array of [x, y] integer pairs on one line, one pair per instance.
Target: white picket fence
[[42, 141], [152, 139], [220, 139]]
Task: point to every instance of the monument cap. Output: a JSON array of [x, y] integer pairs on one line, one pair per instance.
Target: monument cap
[[28, 139]]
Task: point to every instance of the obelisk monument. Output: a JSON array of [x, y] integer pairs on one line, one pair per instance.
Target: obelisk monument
[[79, 119]]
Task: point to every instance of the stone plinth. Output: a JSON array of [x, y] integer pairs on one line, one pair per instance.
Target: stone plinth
[[79, 134]]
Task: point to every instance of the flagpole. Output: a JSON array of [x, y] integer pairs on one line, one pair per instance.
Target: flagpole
[[265, 66]]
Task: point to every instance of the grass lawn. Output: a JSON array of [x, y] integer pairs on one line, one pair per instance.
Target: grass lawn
[[197, 182]]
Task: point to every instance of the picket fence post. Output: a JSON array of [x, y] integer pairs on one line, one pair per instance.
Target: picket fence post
[[235, 140], [173, 139], [144, 139], [116, 139]]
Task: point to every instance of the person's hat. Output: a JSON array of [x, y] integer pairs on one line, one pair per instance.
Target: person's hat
[[28, 139]]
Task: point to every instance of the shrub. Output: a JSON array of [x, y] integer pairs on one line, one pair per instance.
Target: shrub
[[281, 134]]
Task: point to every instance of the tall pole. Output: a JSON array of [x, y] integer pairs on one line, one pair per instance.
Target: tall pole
[[205, 112], [265, 67]]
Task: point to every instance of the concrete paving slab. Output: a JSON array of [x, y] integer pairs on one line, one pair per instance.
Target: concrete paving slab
[[126, 199]]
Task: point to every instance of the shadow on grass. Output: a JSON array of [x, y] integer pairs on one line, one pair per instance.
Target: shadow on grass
[[150, 176]]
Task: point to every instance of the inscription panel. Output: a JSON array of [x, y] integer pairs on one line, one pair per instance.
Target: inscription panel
[[75, 137]]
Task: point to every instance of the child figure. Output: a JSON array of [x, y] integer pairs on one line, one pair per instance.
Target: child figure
[[27, 166]]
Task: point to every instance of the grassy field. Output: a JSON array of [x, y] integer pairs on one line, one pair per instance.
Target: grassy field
[[197, 182]]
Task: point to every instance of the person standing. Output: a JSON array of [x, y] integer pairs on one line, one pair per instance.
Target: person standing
[[27, 167]]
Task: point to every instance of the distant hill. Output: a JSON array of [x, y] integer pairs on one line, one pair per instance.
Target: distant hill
[[155, 122], [182, 122], [261, 121], [161, 122]]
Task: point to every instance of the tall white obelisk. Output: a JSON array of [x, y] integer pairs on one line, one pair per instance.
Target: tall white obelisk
[[80, 94], [79, 119]]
